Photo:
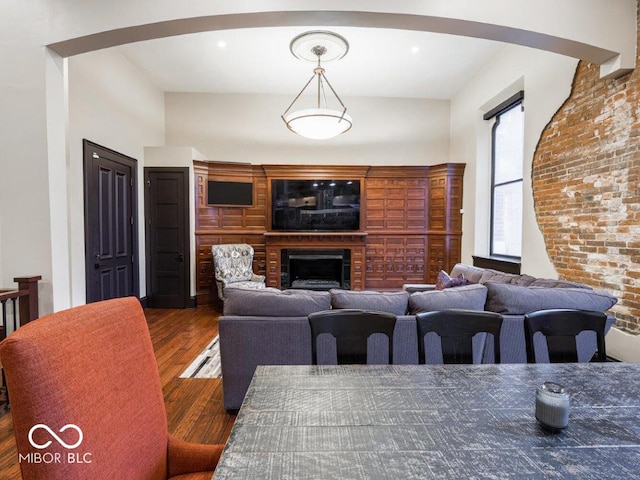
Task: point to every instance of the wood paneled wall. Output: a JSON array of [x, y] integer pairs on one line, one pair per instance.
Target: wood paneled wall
[[411, 225]]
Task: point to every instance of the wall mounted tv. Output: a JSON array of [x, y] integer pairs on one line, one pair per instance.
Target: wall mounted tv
[[230, 193], [315, 205]]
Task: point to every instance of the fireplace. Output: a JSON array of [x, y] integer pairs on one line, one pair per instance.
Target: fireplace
[[315, 269]]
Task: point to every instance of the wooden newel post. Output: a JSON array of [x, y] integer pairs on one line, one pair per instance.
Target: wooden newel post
[[28, 303]]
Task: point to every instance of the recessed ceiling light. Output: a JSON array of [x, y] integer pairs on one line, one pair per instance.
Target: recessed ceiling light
[[222, 44], [415, 49]]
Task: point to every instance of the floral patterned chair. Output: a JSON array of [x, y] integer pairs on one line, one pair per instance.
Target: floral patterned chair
[[233, 266]]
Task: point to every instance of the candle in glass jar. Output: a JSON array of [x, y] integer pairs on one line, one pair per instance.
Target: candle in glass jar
[[552, 406]]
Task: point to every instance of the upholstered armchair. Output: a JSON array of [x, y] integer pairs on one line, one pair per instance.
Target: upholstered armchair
[[87, 400], [233, 266]]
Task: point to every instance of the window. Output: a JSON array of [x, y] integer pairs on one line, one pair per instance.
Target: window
[[506, 177]]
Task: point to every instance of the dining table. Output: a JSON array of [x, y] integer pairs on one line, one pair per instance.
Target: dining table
[[434, 421]]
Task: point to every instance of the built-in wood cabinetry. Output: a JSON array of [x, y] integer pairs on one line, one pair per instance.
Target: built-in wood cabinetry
[[410, 228]]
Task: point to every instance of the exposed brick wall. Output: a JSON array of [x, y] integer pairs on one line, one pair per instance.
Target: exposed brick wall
[[586, 187]]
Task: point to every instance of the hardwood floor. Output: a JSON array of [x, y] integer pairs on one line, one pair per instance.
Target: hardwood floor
[[194, 406]]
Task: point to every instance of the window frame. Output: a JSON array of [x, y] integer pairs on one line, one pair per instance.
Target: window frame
[[495, 113]]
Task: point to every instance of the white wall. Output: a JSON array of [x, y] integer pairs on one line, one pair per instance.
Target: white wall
[[25, 236], [114, 104], [248, 128], [623, 346], [546, 80]]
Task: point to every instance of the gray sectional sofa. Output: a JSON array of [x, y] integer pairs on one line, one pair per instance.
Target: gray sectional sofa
[[270, 327]]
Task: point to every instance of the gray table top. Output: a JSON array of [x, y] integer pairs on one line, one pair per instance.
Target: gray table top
[[434, 421]]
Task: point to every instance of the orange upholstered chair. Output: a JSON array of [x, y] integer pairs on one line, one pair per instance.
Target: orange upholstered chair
[[87, 400]]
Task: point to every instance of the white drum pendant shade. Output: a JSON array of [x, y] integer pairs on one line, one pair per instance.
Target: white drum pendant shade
[[318, 123]]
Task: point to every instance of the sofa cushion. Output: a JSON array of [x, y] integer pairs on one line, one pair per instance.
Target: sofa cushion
[[483, 275], [502, 277], [271, 302], [469, 297], [389, 302], [526, 280], [551, 283], [471, 273], [516, 300]]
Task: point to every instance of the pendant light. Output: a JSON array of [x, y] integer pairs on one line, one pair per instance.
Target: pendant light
[[320, 121]]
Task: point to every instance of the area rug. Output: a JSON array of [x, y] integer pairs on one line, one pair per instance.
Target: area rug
[[207, 364]]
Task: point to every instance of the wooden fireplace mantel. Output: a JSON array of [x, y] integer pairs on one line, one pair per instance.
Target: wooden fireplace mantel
[[355, 242], [315, 234], [410, 228]]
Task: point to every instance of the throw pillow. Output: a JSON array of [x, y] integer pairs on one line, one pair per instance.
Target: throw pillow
[[389, 302], [468, 297], [445, 281], [510, 299]]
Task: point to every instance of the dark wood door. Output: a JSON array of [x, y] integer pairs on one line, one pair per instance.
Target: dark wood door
[[167, 225], [110, 224]]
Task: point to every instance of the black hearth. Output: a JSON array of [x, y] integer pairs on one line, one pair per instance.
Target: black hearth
[[315, 269]]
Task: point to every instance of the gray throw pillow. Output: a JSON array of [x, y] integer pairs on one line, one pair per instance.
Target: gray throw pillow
[[271, 302], [515, 300], [389, 302], [469, 297]]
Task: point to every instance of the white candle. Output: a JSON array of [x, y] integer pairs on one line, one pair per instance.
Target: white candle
[[552, 406]]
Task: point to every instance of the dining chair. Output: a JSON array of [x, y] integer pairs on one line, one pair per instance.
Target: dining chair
[[86, 394], [456, 329], [560, 328], [351, 329]]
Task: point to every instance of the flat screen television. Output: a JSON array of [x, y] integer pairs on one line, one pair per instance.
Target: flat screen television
[[239, 194], [315, 205]]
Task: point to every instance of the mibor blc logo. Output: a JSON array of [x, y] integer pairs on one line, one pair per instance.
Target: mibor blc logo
[[56, 457]]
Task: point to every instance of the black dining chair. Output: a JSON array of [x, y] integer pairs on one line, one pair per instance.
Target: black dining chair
[[351, 328], [560, 327], [456, 329]]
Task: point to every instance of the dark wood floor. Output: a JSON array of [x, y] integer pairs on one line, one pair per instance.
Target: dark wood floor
[[194, 406]]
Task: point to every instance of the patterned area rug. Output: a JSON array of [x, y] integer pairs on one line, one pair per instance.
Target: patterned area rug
[[207, 364]]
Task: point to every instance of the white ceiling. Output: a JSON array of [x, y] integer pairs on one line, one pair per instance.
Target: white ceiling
[[380, 62]]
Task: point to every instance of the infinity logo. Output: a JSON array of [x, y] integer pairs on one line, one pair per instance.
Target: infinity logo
[[56, 437]]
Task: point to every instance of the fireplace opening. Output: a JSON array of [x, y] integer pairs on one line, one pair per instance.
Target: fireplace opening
[[314, 269]]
